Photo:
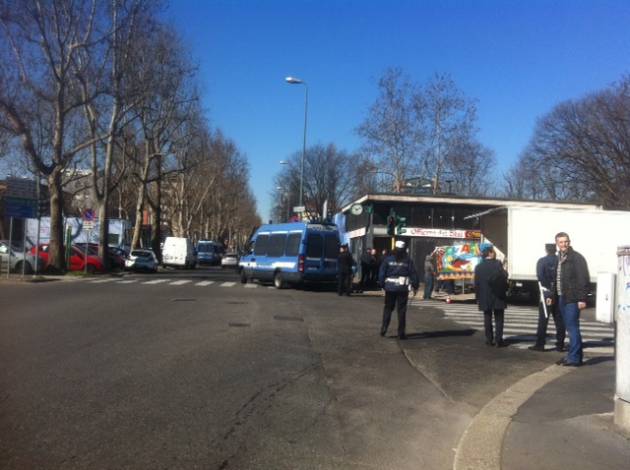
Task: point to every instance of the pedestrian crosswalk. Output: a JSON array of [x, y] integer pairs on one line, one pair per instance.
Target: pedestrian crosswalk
[[520, 325], [169, 282]]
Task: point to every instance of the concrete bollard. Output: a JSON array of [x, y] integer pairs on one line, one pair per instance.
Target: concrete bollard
[[622, 341]]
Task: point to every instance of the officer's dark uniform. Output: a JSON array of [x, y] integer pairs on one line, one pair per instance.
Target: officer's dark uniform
[[345, 262], [397, 273]]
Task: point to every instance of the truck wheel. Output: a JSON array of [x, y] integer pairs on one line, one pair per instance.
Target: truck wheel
[[278, 282]]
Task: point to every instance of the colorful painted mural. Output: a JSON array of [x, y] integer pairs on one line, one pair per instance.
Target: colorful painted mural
[[457, 262]]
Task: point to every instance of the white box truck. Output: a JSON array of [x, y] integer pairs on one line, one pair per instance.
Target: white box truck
[[519, 235]]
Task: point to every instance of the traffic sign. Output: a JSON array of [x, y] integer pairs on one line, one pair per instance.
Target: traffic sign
[[299, 209]]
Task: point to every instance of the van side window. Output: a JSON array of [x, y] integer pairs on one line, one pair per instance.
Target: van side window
[[293, 244], [276, 244], [261, 245], [331, 247], [314, 246]]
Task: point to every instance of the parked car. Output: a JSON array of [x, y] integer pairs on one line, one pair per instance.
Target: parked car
[[77, 259], [209, 252], [178, 252], [142, 260], [229, 260], [18, 260], [116, 259]]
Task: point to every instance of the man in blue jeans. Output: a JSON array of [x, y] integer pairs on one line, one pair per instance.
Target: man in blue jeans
[[572, 287]]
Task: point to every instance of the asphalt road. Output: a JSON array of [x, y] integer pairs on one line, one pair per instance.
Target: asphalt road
[[208, 373]]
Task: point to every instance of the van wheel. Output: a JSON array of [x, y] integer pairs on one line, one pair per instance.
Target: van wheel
[[278, 282], [243, 277]]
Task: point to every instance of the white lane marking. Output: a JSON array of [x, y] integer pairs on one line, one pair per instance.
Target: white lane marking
[[128, 281], [180, 282], [155, 281], [250, 286], [519, 327], [228, 284], [102, 281], [204, 283], [521, 321]]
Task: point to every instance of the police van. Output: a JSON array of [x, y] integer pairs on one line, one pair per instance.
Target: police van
[[292, 254]]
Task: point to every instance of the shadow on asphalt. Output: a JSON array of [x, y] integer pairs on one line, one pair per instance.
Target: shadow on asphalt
[[598, 360], [441, 334]]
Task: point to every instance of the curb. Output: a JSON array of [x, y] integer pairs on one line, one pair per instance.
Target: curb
[[480, 446]]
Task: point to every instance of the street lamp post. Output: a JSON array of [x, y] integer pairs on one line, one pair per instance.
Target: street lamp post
[[297, 81]]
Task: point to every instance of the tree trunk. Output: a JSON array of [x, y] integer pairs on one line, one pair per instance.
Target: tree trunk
[[56, 258], [156, 214], [142, 188], [103, 231]]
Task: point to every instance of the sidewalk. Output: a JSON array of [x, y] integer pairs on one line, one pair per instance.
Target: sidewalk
[[568, 423], [557, 418]]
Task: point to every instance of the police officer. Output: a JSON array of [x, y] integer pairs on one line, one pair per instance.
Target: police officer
[[345, 263], [396, 274]]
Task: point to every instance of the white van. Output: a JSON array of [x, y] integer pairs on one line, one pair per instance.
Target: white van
[[178, 251]]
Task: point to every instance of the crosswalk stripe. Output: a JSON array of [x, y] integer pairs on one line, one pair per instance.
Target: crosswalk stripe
[[228, 284], [204, 283], [155, 281], [251, 286], [102, 281], [128, 281], [521, 323], [180, 282], [516, 327], [530, 321]]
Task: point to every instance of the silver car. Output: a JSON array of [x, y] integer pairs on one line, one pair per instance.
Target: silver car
[[18, 260], [142, 260]]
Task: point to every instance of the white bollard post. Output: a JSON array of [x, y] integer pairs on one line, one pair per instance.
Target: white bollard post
[[622, 341]]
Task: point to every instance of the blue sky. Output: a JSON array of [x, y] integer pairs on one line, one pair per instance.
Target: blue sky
[[516, 58]]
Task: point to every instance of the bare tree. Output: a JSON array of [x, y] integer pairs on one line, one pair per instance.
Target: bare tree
[[424, 132], [581, 149], [40, 102], [448, 120], [393, 131], [330, 176]]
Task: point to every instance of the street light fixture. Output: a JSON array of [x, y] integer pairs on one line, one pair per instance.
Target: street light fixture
[[296, 81]]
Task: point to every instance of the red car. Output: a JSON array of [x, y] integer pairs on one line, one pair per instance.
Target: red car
[[77, 259]]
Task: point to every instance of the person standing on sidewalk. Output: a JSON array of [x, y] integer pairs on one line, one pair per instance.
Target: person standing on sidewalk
[[572, 286], [429, 276], [396, 275], [490, 291], [546, 272], [345, 262]]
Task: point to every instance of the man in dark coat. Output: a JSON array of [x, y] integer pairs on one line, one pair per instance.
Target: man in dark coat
[[546, 270], [396, 275], [429, 276], [367, 263], [490, 291], [572, 286], [345, 262]]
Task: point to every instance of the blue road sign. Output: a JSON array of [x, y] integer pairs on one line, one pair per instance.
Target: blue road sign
[[20, 207], [89, 215]]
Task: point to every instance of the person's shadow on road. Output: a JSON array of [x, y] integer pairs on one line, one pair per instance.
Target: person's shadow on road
[[440, 334]]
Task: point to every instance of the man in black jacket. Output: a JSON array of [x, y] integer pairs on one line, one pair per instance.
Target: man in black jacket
[[345, 262], [572, 286], [546, 272], [490, 291]]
